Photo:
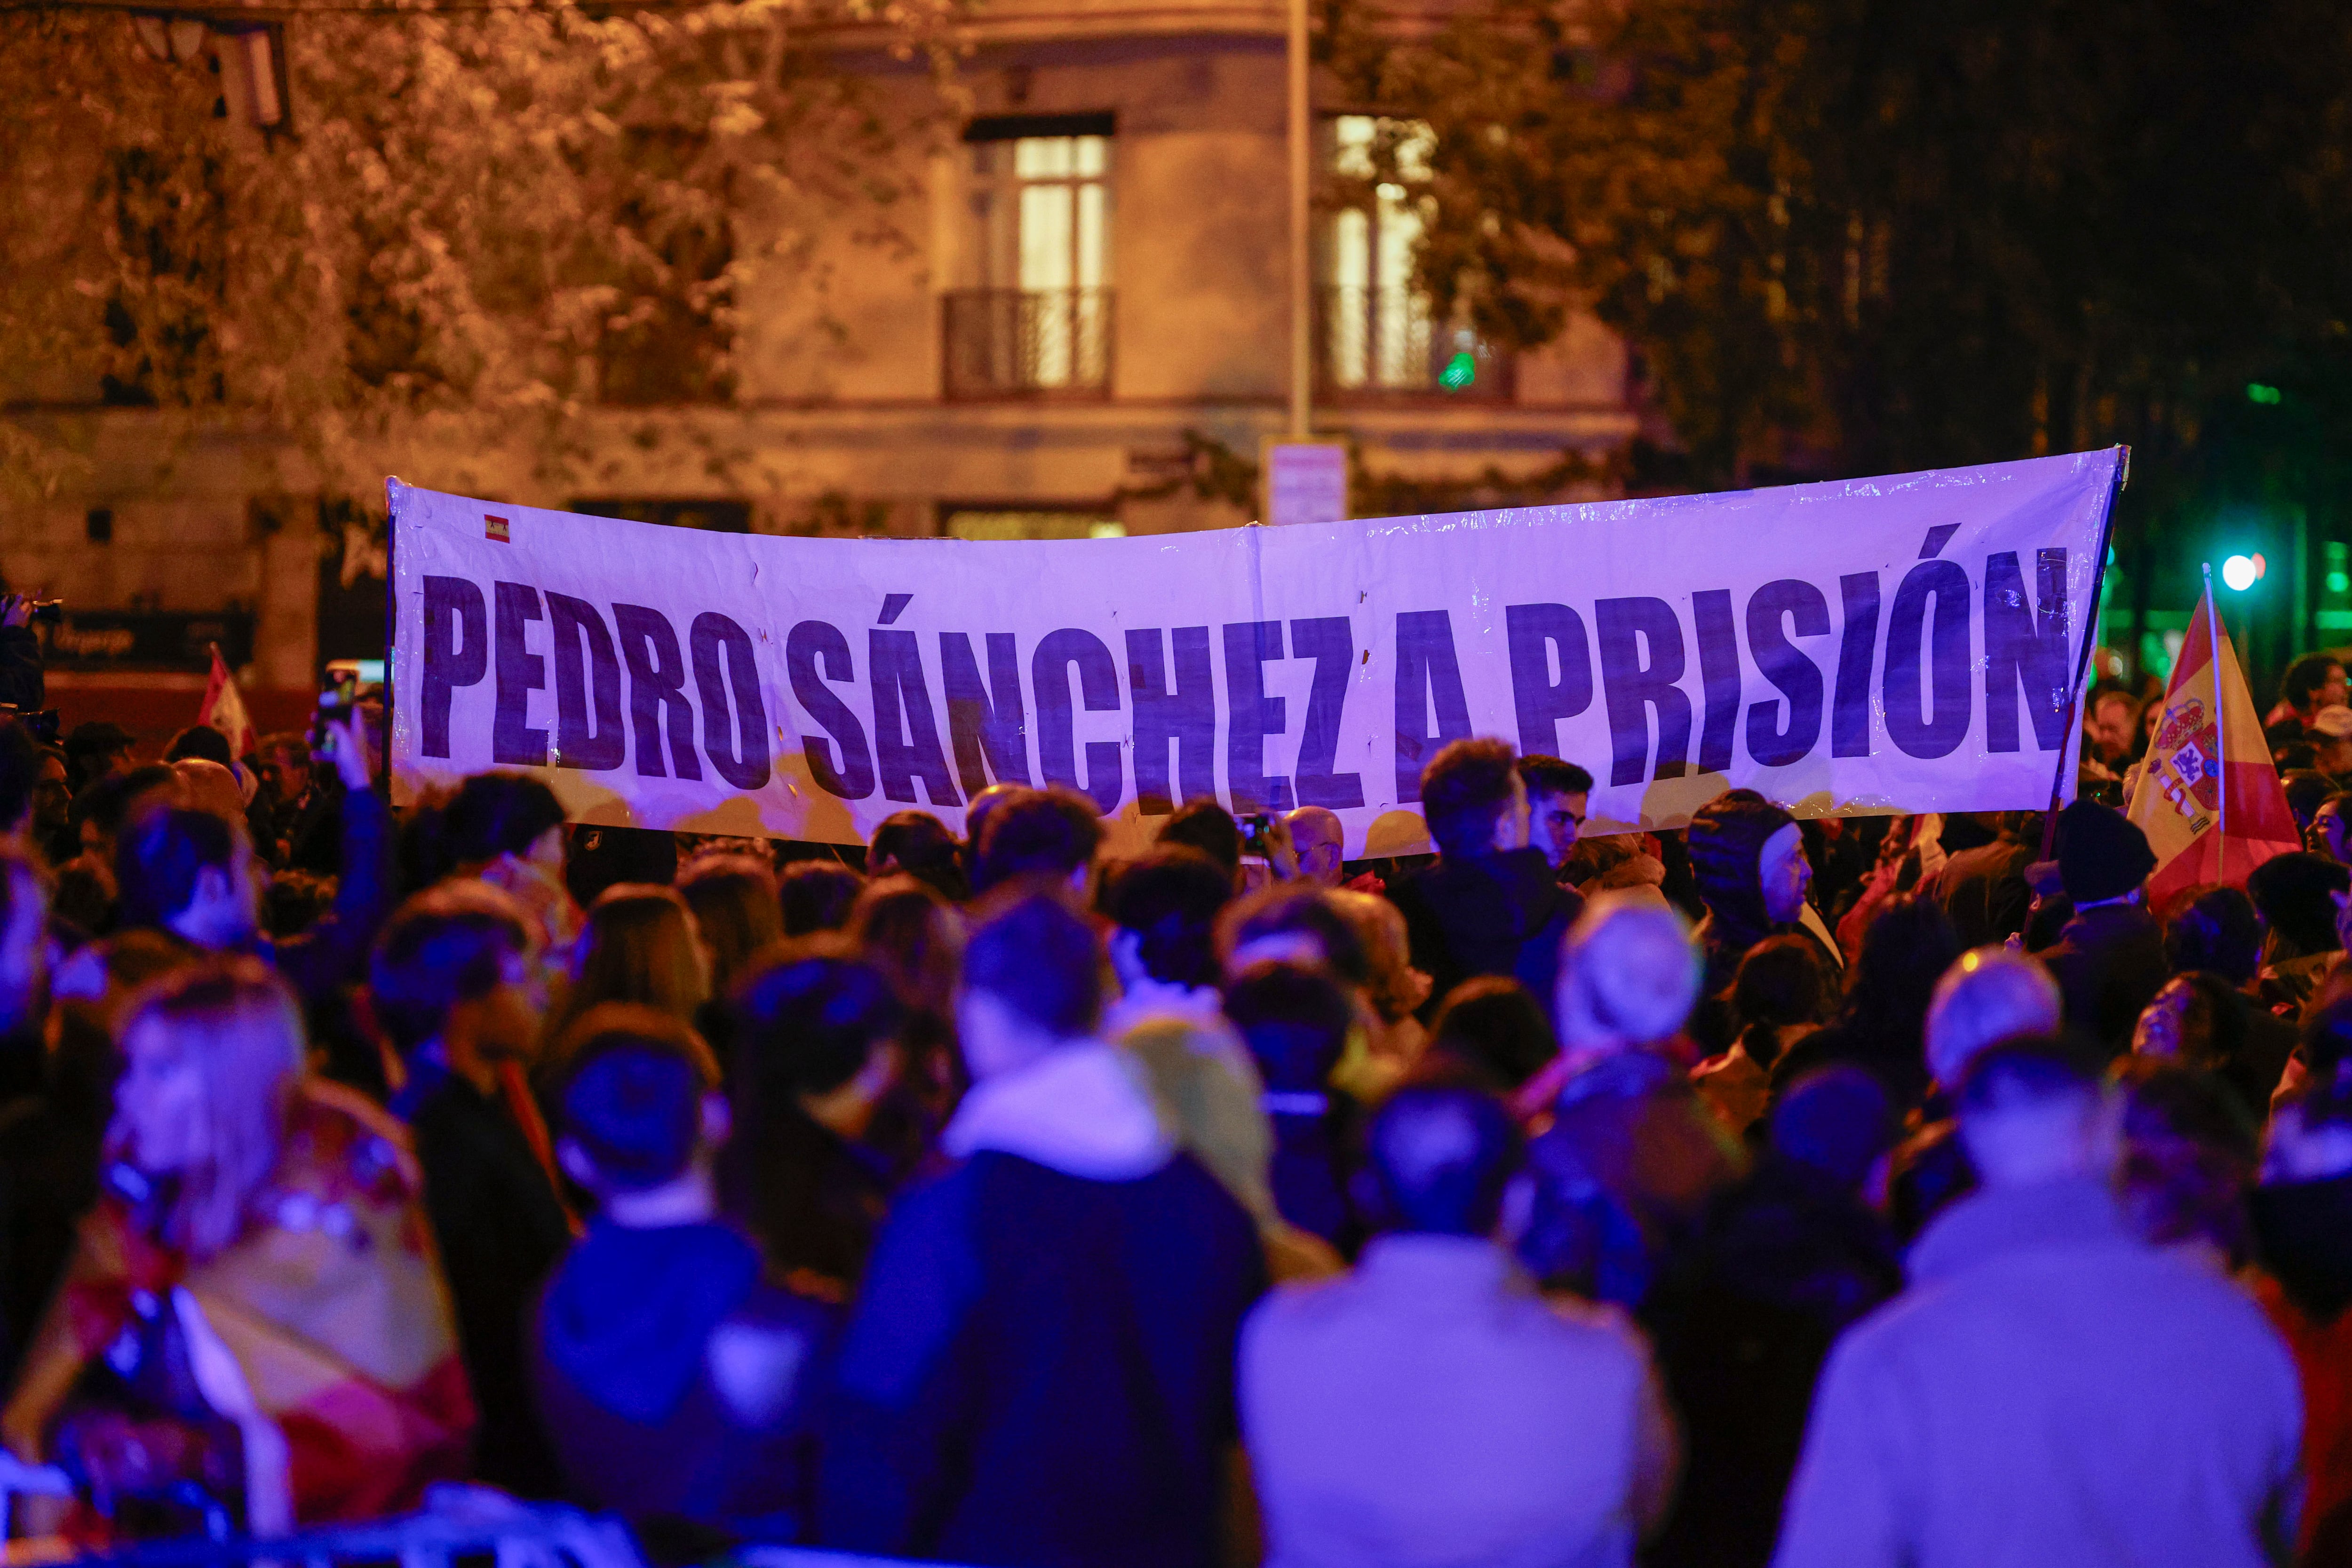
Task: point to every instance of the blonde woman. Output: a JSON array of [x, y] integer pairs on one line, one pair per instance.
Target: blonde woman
[[261, 1230], [1395, 991]]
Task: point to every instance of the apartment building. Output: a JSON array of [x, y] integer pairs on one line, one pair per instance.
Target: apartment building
[[1080, 327]]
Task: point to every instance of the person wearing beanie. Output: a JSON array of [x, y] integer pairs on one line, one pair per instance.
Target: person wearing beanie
[[2109, 958], [1747, 857], [1633, 1156]]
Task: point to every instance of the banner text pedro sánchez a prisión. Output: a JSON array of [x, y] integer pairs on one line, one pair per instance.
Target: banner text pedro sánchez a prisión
[[1900, 643]]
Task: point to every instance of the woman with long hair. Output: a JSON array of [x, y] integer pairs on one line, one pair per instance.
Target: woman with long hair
[[640, 945], [254, 1332], [1881, 1025], [735, 912]]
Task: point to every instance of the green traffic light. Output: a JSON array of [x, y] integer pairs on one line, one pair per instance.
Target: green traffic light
[[1459, 372], [2258, 392]]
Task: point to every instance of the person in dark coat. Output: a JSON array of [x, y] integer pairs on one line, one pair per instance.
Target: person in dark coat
[[453, 984], [1040, 1368], [1490, 905], [1881, 1023], [1786, 1261], [23, 682], [818, 1053], [660, 1337], [1982, 887], [2109, 959]]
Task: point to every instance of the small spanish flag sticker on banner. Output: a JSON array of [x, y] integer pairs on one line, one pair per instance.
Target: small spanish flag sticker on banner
[[2209, 798], [495, 528]]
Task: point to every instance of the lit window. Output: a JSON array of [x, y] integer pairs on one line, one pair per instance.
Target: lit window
[[1377, 330], [1041, 217]]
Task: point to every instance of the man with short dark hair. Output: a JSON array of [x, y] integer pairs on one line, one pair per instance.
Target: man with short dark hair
[[1491, 905], [96, 750], [1045, 835], [917, 845], [1431, 1407], [2049, 1389], [678, 1385], [1039, 1367], [1164, 951], [2313, 681], [1205, 826], [200, 741], [1559, 794], [455, 984]]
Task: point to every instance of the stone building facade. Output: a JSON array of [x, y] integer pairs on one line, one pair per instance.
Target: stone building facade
[[1084, 329]]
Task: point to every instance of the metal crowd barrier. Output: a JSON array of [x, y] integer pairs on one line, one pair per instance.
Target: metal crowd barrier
[[460, 1522]]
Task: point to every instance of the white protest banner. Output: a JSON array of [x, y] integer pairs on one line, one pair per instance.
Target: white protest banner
[[1901, 644]]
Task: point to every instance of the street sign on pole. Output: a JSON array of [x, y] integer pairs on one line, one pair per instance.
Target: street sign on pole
[[1305, 481]]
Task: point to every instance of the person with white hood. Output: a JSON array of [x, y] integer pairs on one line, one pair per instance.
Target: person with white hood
[[1039, 1367]]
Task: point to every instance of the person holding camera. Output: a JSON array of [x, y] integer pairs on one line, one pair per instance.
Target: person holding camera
[[22, 686]]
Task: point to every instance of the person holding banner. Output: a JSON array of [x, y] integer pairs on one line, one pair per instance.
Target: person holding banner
[[1490, 905]]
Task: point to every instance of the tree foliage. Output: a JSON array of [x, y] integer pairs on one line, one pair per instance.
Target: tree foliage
[[483, 222], [1860, 236]]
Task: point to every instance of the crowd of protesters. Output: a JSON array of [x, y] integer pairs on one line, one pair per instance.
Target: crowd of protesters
[[1868, 1191]]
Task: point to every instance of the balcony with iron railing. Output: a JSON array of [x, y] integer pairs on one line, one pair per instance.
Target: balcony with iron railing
[[1383, 343], [1027, 342]]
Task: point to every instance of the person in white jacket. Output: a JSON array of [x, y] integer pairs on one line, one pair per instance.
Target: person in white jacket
[[2049, 1389], [1431, 1407]]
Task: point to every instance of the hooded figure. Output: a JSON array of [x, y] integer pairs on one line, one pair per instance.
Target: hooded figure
[[1748, 858]]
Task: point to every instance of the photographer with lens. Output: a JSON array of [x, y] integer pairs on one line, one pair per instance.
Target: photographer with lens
[[22, 686]]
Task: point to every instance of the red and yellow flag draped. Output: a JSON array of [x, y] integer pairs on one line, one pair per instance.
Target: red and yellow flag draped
[[2207, 797]]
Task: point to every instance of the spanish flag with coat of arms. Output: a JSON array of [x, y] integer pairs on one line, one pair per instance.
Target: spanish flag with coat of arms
[[2207, 796]]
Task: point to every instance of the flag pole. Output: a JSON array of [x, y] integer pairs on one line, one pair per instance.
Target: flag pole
[[2072, 751], [2220, 731]]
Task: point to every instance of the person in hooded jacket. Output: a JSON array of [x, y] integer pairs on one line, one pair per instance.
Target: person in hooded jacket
[[659, 1335], [1039, 1367], [1490, 905], [1748, 858]]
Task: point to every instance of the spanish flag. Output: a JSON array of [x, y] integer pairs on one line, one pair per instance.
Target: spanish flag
[[2207, 797], [223, 709]]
